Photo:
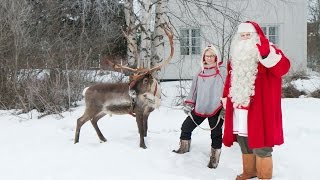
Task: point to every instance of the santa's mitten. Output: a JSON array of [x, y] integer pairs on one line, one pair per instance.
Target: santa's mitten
[[264, 47]]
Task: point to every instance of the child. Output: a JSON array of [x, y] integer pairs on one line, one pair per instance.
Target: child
[[203, 102]]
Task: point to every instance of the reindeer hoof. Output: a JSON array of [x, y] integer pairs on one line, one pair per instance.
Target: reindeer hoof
[[143, 146], [103, 140]]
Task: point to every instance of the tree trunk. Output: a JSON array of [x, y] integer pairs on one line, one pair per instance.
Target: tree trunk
[[145, 51], [131, 32], [158, 38]]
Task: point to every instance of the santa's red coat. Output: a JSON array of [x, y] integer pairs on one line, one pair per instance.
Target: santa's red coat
[[264, 113]]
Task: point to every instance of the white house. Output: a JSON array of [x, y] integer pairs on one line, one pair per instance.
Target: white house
[[197, 25]]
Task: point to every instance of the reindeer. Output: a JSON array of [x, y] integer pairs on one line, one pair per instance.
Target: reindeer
[[139, 98]]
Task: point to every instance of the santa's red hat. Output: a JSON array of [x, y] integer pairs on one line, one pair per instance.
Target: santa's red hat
[[258, 28], [250, 26]]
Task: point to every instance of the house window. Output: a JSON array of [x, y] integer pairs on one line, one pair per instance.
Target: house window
[[189, 41], [272, 33]]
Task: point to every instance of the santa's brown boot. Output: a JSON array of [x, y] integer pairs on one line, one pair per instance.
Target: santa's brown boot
[[264, 167], [184, 147], [249, 167], [214, 158]]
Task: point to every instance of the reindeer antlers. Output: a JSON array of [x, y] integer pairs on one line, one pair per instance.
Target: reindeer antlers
[[169, 33], [119, 67]]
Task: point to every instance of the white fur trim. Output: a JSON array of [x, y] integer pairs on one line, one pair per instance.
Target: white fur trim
[[240, 122], [246, 27], [272, 58]]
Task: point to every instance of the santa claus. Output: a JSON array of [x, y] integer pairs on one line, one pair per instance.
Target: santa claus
[[252, 99]]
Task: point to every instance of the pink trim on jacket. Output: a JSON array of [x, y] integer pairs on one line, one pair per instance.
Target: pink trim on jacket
[[207, 115], [189, 102]]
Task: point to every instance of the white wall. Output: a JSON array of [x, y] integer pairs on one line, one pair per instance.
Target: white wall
[[291, 16]]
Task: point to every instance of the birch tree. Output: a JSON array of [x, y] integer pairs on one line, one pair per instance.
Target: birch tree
[[147, 23], [161, 19], [131, 32], [145, 19]]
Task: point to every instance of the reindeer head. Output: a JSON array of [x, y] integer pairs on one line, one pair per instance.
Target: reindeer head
[[147, 90]]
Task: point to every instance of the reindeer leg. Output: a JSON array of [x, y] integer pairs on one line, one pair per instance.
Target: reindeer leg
[[94, 123], [145, 124], [139, 119], [83, 119]]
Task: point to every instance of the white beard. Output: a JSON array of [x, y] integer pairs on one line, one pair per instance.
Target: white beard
[[244, 64]]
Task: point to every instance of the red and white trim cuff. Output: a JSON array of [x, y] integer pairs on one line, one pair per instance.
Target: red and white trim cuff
[[272, 59]]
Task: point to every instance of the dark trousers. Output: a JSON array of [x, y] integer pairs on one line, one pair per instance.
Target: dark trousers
[[216, 134], [261, 152]]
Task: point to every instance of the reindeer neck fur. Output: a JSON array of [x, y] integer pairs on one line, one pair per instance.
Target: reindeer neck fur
[[148, 96]]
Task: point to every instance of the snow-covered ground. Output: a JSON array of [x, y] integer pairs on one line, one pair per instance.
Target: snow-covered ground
[[43, 149]]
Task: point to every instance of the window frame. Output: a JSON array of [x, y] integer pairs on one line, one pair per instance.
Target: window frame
[[190, 41]]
